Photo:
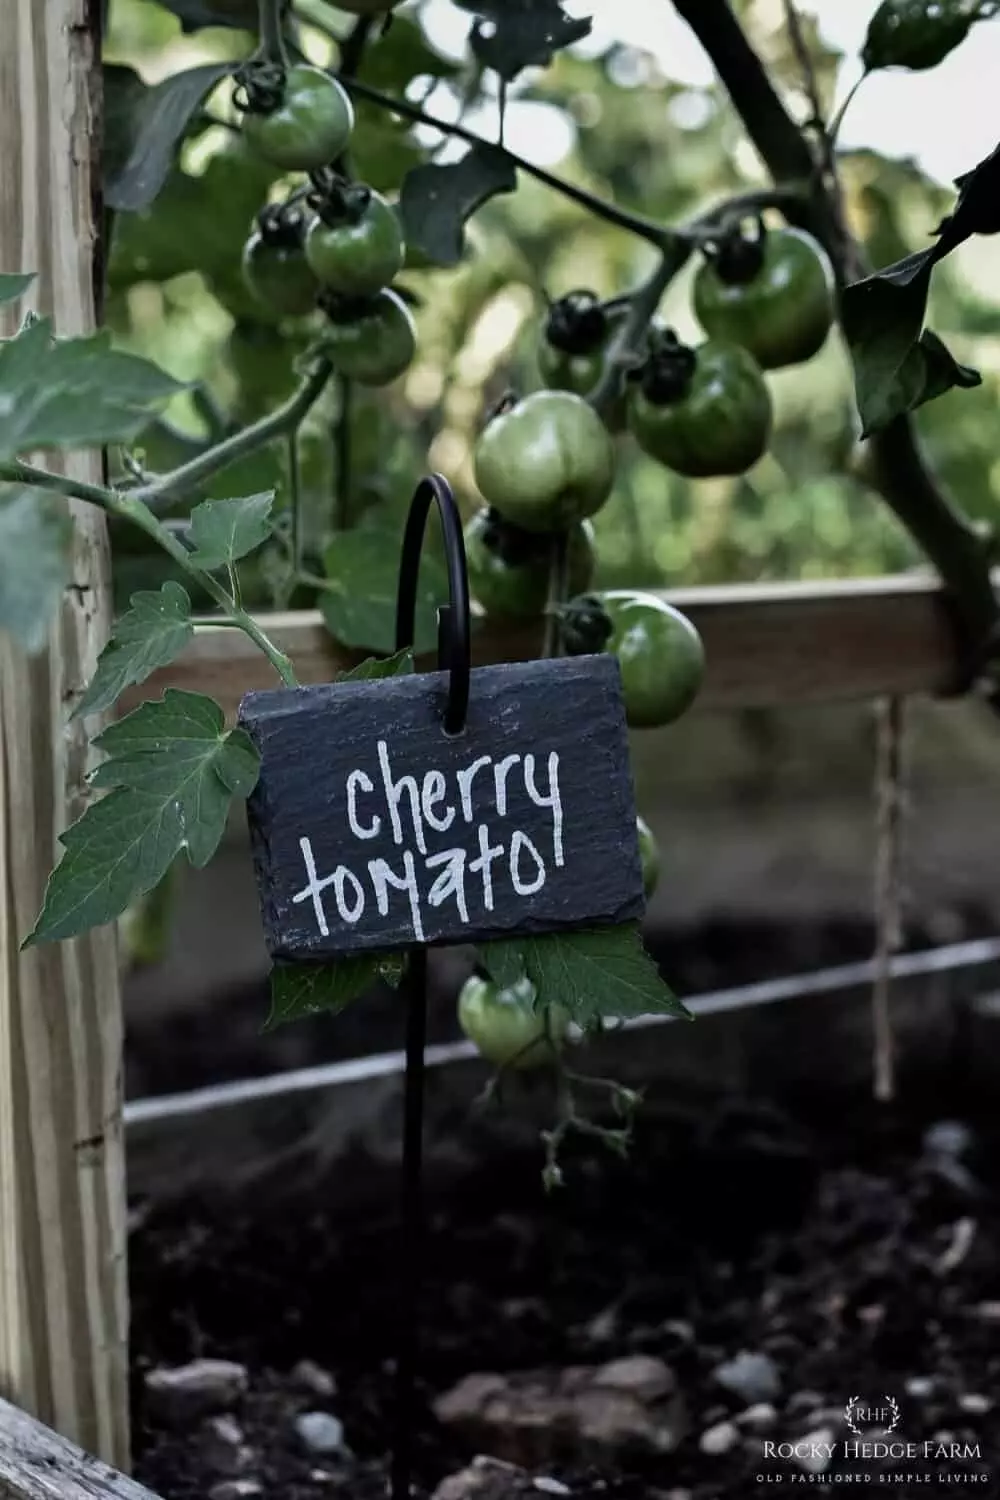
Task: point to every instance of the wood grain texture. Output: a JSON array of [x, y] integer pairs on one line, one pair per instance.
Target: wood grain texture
[[37, 1464], [766, 646], [63, 1287], [373, 829]]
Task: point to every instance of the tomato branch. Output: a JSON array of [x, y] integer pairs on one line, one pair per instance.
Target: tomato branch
[[271, 30], [955, 547], [168, 489], [128, 507]]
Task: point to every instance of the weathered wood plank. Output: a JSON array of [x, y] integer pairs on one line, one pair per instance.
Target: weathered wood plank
[[63, 1288], [768, 645], [37, 1464]]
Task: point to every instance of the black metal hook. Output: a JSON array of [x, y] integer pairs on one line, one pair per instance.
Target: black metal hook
[[454, 623]]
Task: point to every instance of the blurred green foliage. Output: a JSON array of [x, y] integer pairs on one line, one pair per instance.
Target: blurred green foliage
[[639, 140]]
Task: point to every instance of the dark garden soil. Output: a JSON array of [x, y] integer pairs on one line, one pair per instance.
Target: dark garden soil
[[850, 1254]]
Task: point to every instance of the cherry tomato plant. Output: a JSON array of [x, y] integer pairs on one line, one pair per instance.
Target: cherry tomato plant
[[339, 249]]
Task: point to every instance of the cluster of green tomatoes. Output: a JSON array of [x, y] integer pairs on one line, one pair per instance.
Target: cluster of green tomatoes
[[336, 244]]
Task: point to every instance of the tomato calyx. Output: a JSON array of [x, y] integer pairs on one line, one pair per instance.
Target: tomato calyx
[[738, 257], [666, 374], [336, 200], [282, 226], [260, 87], [343, 310], [576, 323], [585, 626]]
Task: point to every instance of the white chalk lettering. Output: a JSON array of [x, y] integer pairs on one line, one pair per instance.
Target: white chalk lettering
[[394, 795], [518, 842], [341, 876], [501, 771], [383, 878], [360, 779], [553, 801], [451, 882], [314, 890], [487, 854], [465, 779], [431, 792]]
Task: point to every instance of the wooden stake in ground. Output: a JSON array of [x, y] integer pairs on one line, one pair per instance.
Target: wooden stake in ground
[[63, 1289]]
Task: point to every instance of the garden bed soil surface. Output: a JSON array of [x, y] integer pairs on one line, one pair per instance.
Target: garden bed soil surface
[[848, 1252]]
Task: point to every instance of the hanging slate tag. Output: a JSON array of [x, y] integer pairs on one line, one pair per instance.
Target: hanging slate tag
[[374, 829]]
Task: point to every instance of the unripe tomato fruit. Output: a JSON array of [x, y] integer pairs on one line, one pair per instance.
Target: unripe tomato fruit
[[649, 855], [716, 422], [573, 351], [275, 269], [660, 654], [915, 34], [357, 257], [504, 1028], [545, 462], [310, 127], [509, 576], [776, 300], [372, 340], [561, 371]]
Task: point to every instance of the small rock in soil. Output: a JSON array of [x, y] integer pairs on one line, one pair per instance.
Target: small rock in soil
[[236, 1489], [182, 1393], [311, 1377], [947, 1138], [224, 1448], [545, 1417], [974, 1403], [484, 1479], [545, 1486], [758, 1418], [920, 1387], [320, 1432], [721, 1438], [803, 1403], [752, 1377], [812, 1450]]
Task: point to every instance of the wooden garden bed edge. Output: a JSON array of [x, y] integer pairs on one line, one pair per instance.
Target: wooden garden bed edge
[[37, 1464]]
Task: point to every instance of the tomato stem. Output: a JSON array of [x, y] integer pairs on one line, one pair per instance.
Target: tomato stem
[[558, 589], [271, 31]]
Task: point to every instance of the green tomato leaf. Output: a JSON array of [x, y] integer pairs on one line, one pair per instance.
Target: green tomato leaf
[[897, 366], [224, 530], [153, 631], [35, 534], [523, 34], [600, 974], [14, 284], [144, 127], [74, 393], [358, 603], [171, 774], [374, 668], [435, 201], [977, 210], [241, 15], [299, 990]]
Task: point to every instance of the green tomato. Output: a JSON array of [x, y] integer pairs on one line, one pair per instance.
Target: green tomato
[[372, 340], [310, 127], [782, 311], [505, 1029], [915, 34], [561, 371], [717, 423], [660, 654], [545, 462], [509, 569], [278, 277], [649, 855], [357, 257]]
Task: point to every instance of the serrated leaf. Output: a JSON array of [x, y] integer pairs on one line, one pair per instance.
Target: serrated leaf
[[435, 202], [375, 667], [897, 365], [171, 774], [976, 211], [14, 284], [521, 33], [358, 603], [152, 632], [74, 393], [222, 531], [35, 535], [599, 974], [300, 990], [144, 127]]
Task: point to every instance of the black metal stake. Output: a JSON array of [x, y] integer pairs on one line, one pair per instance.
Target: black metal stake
[[454, 656]]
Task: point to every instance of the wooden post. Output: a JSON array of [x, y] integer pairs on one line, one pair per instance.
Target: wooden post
[[63, 1288]]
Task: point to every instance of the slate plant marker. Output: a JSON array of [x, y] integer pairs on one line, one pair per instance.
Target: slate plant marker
[[446, 807]]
